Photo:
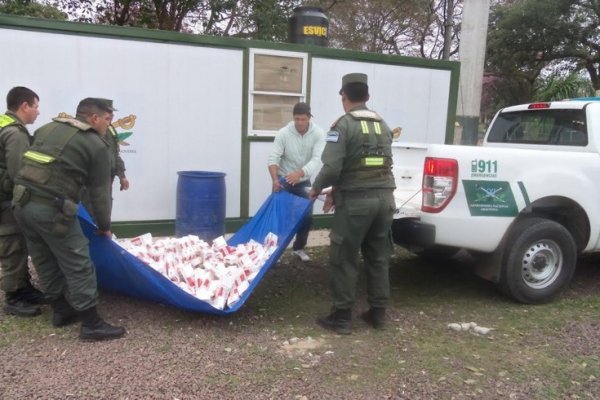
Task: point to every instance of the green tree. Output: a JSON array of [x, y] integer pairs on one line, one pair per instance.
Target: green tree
[[263, 19], [421, 28], [528, 37], [557, 87], [155, 14], [254, 19], [30, 8]]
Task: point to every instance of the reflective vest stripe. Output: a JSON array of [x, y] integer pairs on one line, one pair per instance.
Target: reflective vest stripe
[[365, 127], [377, 128], [373, 161], [6, 120], [112, 130], [38, 157]]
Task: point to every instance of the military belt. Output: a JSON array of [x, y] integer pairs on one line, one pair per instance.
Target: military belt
[[367, 175], [42, 198], [365, 193]]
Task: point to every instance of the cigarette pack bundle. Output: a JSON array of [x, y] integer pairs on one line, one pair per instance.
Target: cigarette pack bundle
[[217, 274]]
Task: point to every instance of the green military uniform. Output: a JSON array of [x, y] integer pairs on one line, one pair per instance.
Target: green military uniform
[[357, 162], [117, 165], [65, 156], [14, 141]]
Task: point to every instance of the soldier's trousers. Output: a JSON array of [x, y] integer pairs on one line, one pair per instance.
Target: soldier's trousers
[[362, 222], [14, 270], [62, 260]]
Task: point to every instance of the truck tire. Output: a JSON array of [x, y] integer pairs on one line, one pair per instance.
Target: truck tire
[[538, 262]]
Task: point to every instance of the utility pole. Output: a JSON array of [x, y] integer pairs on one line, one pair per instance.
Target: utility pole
[[448, 24], [473, 35]]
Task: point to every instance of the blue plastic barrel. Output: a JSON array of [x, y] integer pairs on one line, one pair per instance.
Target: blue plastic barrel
[[200, 208]]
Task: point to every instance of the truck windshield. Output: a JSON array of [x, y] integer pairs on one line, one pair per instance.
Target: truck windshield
[[545, 126]]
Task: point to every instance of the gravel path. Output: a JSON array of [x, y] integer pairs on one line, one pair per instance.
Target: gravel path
[[272, 349]]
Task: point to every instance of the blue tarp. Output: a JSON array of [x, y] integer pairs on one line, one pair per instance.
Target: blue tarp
[[119, 271]]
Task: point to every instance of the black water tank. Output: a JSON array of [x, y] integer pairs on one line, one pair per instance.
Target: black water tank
[[309, 25]]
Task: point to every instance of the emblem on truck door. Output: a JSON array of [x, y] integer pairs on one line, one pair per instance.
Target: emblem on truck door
[[490, 198]]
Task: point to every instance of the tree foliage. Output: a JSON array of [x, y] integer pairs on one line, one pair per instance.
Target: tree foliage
[[154, 14], [557, 87], [30, 8], [534, 44], [262, 19], [422, 28]]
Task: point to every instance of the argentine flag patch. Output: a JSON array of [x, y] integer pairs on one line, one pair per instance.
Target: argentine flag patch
[[332, 136]]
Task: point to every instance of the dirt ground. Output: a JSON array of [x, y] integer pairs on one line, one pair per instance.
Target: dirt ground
[[272, 349]]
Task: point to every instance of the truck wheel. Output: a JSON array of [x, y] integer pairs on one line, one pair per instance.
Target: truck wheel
[[539, 260]]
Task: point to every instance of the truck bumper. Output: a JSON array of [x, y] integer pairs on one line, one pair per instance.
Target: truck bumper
[[412, 233]]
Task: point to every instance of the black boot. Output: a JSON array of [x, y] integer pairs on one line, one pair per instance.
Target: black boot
[[375, 317], [339, 321], [15, 305], [31, 295], [63, 314], [94, 328]]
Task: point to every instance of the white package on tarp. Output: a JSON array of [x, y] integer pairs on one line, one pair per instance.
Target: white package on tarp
[[216, 273]]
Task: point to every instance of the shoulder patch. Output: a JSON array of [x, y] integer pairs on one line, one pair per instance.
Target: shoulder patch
[[365, 114], [67, 119], [332, 136]]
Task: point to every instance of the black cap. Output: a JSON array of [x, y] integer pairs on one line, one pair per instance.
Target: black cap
[[302, 108]]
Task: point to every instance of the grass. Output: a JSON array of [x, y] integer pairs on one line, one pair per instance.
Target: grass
[[523, 356], [549, 351]]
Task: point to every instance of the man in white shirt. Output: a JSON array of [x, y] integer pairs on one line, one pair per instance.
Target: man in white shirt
[[296, 157]]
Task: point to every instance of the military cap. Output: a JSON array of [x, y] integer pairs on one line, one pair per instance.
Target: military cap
[[355, 77], [109, 104], [302, 108], [91, 105]]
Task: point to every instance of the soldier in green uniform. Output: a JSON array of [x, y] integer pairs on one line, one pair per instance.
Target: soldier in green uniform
[[357, 163], [21, 297], [117, 165], [66, 155]]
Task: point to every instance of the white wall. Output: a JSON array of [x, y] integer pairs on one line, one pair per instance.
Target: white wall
[[187, 99], [188, 104], [415, 99]]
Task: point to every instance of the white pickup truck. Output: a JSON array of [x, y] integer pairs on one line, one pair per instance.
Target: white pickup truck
[[526, 203]]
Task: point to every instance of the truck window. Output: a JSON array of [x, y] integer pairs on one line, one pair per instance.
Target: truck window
[[546, 126]]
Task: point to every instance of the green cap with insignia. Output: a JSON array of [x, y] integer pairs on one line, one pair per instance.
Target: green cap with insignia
[[355, 77]]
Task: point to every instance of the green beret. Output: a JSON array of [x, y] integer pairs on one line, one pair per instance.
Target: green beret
[[354, 77]]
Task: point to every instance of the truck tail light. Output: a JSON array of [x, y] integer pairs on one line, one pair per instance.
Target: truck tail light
[[538, 106], [440, 176]]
